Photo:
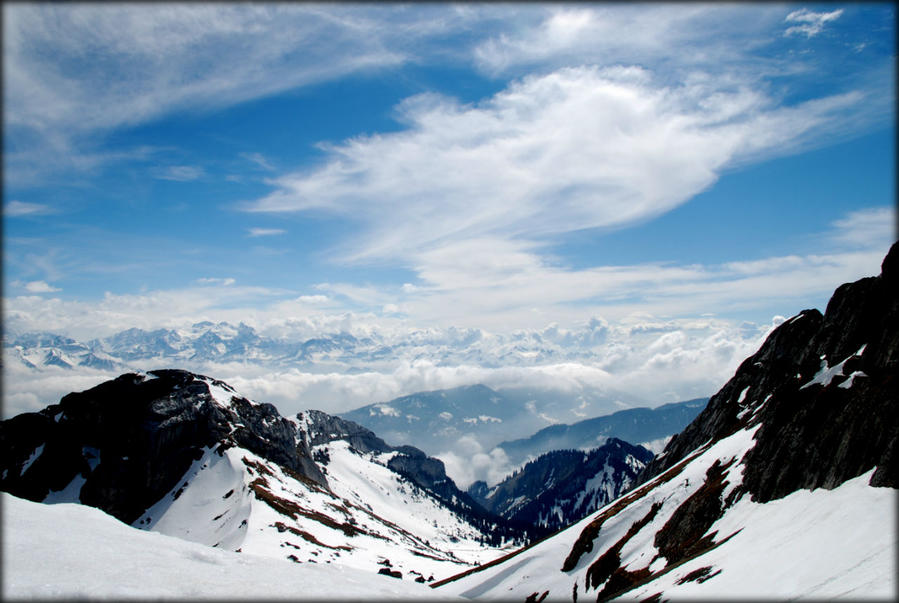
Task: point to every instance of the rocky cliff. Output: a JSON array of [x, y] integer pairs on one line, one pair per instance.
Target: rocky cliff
[[133, 438]]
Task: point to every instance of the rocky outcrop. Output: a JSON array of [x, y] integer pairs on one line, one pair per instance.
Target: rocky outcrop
[[131, 439], [824, 390]]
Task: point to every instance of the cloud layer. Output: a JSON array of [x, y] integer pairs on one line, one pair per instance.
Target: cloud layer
[[573, 149]]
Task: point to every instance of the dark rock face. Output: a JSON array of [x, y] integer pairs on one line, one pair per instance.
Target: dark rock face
[[820, 422], [132, 439], [324, 428], [549, 492]]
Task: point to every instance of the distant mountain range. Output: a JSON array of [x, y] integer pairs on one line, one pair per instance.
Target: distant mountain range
[[649, 427], [206, 346], [226, 342], [435, 421], [782, 487]]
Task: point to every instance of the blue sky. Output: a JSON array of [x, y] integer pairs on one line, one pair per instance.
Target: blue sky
[[493, 166]]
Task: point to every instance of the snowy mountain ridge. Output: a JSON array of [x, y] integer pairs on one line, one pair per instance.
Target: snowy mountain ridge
[[186, 456], [784, 486], [561, 487]]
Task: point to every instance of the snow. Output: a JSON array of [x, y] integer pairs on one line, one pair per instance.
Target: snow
[[204, 512], [34, 455], [370, 514], [827, 373], [70, 494], [388, 411], [71, 551], [819, 544], [656, 446], [848, 382], [221, 394]]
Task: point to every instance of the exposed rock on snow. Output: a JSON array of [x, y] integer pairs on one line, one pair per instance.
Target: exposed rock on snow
[[774, 490], [187, 456]]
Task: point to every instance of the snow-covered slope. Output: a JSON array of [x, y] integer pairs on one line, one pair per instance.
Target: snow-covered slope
[[784, 486], [186, 456], [367, 518], [816, 544], [72, 551]]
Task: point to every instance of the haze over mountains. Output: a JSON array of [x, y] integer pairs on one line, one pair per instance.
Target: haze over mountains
[[784, 484], [541, 378], [589, 370]]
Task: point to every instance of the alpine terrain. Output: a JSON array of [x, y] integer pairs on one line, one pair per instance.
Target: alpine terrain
[[563, 486], [783, 486], [435, 421], [651, 428], [186, 456]]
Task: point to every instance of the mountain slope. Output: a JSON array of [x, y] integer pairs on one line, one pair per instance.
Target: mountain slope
[[453, 419], [564, 486], [435, 420], [643, 426], [784, 486], [103, 558], [185, 455]]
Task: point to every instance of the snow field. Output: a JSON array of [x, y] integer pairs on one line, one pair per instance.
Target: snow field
[[73, 551], [818, 544], [372, 516], [822, 543]]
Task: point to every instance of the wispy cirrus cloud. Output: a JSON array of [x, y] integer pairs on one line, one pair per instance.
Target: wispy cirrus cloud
[[810, 23], [73, 73], [265, 232], [875, 226], [259, 160], [14, 209], [227, 282], [718, 37], [572, 149], [180, 173]]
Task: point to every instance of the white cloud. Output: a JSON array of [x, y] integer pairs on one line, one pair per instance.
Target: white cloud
[[810, 22], [40, 287], [870, 227], [468, 462], [226, 282], [149, 310], [502, 284], [313, 299], [576, 148], [73, 72], [265, 232], [258, 159], [14, 209], [678, 36], [180, 173]]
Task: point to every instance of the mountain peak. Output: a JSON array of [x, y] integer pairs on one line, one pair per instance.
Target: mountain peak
[[157, 424]]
